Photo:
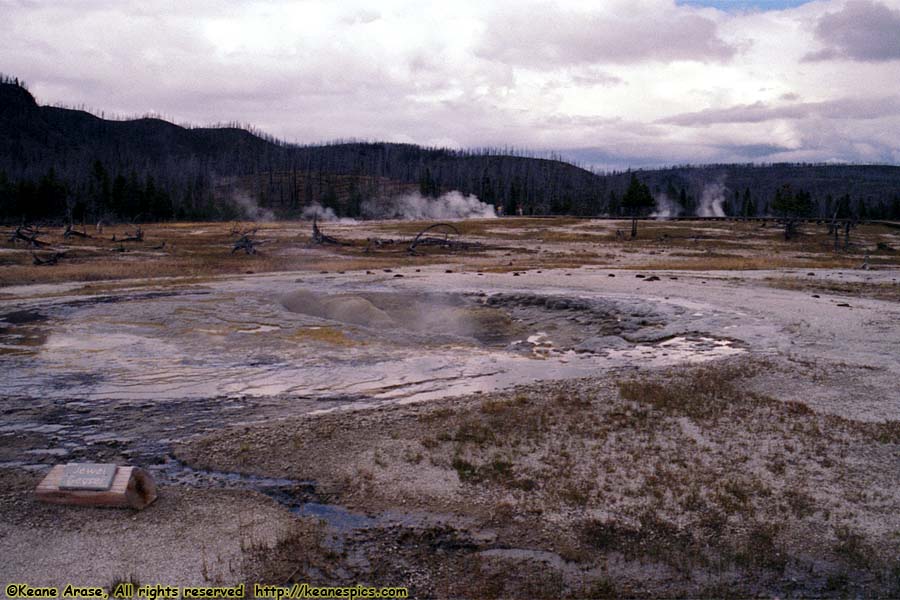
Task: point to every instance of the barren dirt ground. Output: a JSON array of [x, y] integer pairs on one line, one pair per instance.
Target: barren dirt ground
[[541, 409]]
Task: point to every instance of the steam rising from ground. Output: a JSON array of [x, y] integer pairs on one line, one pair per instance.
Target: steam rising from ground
[[227, 190], [449, 206], [711, 200], [666, 208], [323, 213]]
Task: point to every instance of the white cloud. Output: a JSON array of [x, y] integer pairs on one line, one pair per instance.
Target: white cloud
[[649, 81]]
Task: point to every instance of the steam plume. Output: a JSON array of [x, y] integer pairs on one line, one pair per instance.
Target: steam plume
[[249, 207], [414, 206], [711, 200], [323, 213], [666, 208]]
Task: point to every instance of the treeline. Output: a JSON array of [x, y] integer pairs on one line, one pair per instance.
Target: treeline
[[852, 191], [62, 164]]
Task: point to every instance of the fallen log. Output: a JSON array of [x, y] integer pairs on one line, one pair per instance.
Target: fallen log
[[377, 243], [48, 261], [445, 241], [92, 484], [74, 232], [29, 236]]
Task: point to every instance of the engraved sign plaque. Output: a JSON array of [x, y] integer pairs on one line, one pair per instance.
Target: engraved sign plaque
[[87, 476]]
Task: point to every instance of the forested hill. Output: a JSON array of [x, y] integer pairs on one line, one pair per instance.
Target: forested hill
[[63, 164]]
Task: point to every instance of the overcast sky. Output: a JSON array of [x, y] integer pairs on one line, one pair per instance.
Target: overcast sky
[[613, 83]]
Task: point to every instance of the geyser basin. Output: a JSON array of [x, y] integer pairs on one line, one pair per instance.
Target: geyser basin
[[333, 339]]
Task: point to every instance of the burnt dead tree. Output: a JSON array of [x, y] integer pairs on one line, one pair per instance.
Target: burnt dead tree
[[442, 235], [137, 236], [28, 234], [848, 225], [245, 243], [319, 237], [72, 232], [833, 230]]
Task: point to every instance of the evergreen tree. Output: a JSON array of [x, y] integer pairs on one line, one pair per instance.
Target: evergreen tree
[[637, 201]]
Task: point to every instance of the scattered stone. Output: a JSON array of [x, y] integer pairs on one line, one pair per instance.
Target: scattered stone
[[398, 275], [652, 278]]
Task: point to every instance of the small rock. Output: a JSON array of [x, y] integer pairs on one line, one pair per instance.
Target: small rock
[[398, 275], [816, 296]]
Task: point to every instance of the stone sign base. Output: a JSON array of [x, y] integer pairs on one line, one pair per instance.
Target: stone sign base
[[131, 487]]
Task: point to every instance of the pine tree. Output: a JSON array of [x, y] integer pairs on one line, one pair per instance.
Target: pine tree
[[637, 201]]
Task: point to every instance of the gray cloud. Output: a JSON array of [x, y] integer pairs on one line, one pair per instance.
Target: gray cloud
[[550, 76], [844, 108], [863, 31], [547, 35]]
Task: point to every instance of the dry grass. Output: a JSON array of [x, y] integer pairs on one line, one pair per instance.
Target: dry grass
[[204, 249], [684, 480], [198, 250], [748, 263], [857, 289]]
